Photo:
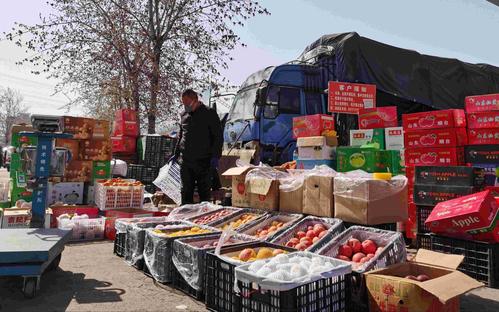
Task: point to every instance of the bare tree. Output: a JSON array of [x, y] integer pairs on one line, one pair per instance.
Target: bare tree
[[11, 109]]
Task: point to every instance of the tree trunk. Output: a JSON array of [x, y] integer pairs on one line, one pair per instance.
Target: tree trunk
[[136, 96], [153, 106]]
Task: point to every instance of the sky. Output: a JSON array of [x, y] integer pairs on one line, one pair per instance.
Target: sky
[[462, 29]]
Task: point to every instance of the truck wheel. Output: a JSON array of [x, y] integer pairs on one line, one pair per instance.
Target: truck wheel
[[29, 289]]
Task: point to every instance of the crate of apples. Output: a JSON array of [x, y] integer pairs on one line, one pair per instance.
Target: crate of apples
[[240, 221], [186, 232], [268, 229], [252, 254], [302, 240], [212, 217], [358, 252]]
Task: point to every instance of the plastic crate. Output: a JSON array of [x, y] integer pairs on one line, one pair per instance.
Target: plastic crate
[[151, 188], [423, 241], [179, 282], [220, 294], [384, 226], [119, 197], [287, 220], [422, 213], [135, 172], [327, 294], [83, 229], [481, 260], [149, 174], [119, 244]]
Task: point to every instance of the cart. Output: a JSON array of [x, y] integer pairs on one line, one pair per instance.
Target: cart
[[30, 252]]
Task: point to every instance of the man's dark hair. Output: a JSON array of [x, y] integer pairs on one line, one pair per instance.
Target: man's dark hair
[[190, 93]]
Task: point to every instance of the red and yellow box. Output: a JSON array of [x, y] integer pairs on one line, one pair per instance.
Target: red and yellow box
[[312, 125], [434, 156], [482, 103], [450, 118], [483, 136], [379, 117], [450, 137]]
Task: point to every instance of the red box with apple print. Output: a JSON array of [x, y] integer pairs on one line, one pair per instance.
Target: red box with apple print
[[450, 118], [434, 156], [379, 117], [482, 120], [464, 215], [482, 103], [123, 144], [483, 136], [312, 125], [449, 137]]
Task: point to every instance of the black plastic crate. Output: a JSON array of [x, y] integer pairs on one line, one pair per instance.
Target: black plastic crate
[[423, 241], [151, 188], [156, 159], [481, 260], [327, 294], [220, 294], [422, 213], [119, 244], [179, 283], [384, 226], [149, 174], [135, 172]]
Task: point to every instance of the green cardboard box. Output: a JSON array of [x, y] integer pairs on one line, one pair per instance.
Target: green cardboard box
[[386, 161], [367, 159], [101, 170], [17, 193], [15, 164], [366, 136], [19, 140]]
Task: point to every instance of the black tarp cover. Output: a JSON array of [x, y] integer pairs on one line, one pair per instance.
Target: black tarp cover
[[404, 75]]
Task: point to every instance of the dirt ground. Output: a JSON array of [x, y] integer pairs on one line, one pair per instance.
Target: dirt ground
[[91, 278]]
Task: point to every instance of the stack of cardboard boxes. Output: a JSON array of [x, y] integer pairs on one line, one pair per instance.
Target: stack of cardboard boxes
[[17, 177], [125, 133]]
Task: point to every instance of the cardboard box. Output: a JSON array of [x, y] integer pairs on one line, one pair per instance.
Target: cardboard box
[[452, 175], [240, 195], [17, 218], [79, 127], [434, 156], [379, 117], [72, 145], [78, 171], [113, 214], [311, 163], [312, 125], [370, 160], [17, 192], [482, 154], [410, 173], [70, 193], [102, 129], [482, 103], [57, 210], [362, 137], [89, 194], [126, 128], [95, 150], [314, 148], [264, 193], [394, 138], [430, 195], [491, 173], [450, 118], [450, 137], [18, 140], [101, 170], [458, 216], [291, 202], [123, 144], [318, 199], [370, 202], [483, 136], [489, 236], [389, 290], [483, 120]]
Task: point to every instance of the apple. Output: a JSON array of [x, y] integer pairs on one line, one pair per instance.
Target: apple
[[423, 278], [343, 258], [246, 254], [301, 246], [310, 228], [369, 247], [412, 277], [294, 240], [319, 226], [364, 260], [311, 234], [355, 245], [300, 234], [358, 256], [277, 251], [315, 240], [379, 250], [370, 256], [345, 250], [290, 244], [304, 239], [322, 234]]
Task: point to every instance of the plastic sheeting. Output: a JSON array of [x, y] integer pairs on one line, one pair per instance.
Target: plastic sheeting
[[393, 244], [189, 254], [265, 172], [202, 219], [190, 211], [121, 224], [231, 219], [358, 186], [276, 274], [266, 221], [158, 250], [333, 226]]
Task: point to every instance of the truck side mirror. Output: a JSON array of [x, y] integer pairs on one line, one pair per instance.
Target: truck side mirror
[[261, 96]]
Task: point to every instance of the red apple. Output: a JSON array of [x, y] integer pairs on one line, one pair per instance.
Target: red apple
[[300, 234], [294, 240], [364, 260], [311, 234], [319, 226], [310, 228], [358, 256], [378, 250], [301, 246], [355, 245], [345, 250], [368, 246], [423, 278], [343, 258], [290, 244], [370, 256], [315, 240], [322, 234]]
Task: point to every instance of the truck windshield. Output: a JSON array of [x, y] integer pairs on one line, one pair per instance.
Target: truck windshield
[[242, 108]]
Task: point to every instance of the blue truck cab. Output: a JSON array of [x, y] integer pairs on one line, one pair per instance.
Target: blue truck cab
[[263, 110]]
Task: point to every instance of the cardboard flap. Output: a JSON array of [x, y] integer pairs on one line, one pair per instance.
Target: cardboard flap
[[426, 256], [311, 141], [235, 171], [260, 186], [450, 286]]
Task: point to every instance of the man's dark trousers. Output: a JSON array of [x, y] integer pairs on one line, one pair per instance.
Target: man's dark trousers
[[195, 173]]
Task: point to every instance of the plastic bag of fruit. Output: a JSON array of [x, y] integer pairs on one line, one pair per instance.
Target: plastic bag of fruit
[[293, 181], [366, 248], [265, 173], [189, 211], [240, 219], [270, 225], [288, 271], [310, 233], [121, 224], [211, 217], [189, 254]]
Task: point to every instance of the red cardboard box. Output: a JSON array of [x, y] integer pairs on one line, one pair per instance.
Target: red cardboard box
[[379, 117], [102, 129], [79, 127], [450, 137], [481, 120], [410, 174], [78, 171], [91, 211], [126, 114], [126, 128], [312, 125], [483, 136], [72, 145], [459, 216], [112, 215], [482, 103], [434, 156], [123, 144], [95, 150], [450, 118]]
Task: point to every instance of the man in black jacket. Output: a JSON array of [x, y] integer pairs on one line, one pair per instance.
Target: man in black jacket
[[199, 147]]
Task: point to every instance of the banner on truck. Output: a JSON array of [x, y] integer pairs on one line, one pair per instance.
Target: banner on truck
[[350, 98]]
